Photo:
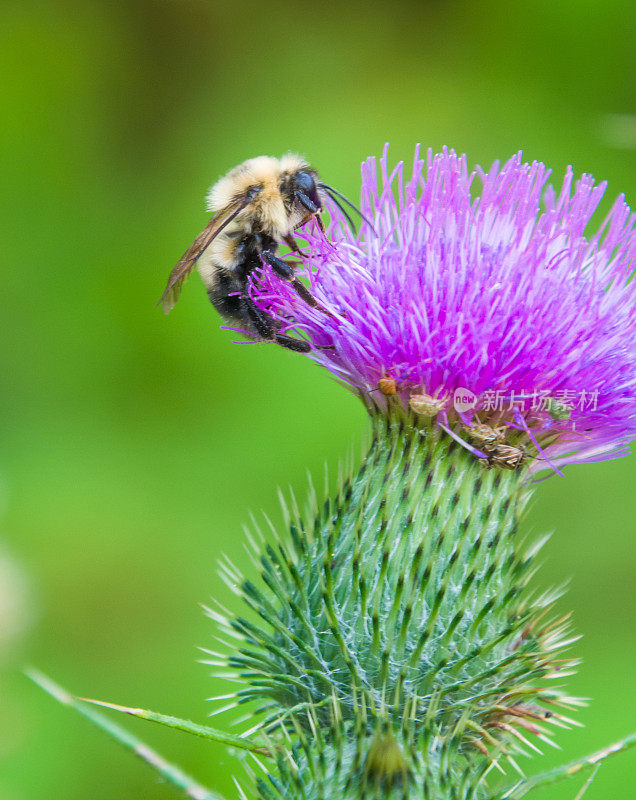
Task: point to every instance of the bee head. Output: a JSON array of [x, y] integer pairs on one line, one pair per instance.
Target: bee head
[[305, 191]]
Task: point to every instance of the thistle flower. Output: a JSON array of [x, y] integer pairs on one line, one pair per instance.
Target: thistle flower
[[481, 293], [393, 647]]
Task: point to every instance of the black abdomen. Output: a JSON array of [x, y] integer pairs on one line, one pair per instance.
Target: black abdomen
[[230, 283], [225, 295]]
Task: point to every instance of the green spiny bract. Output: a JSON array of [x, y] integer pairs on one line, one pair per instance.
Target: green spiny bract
[[401, 603], [394, 765]]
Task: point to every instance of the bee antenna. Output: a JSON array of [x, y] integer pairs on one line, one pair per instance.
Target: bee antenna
[[331, 192], [348, 218]]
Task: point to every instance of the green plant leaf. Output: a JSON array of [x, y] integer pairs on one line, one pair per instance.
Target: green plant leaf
[[170, 772], [205, 731]]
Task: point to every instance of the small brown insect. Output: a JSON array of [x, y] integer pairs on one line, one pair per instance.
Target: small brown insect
[[387, 386], [505, 456], [426, 405], [486, 434]]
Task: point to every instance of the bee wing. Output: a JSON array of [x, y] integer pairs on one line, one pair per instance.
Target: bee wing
[[187, 261]]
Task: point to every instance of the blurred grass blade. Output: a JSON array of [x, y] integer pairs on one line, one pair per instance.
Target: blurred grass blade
[[169, 771], [205, 731], [587, 783], [521, 788]]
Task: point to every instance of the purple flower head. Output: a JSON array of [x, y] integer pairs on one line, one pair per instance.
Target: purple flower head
[[477, 299]]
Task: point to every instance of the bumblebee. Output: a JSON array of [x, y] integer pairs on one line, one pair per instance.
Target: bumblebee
[[255, 208]]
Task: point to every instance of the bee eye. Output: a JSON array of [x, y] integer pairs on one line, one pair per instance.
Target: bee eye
[[305, 183]]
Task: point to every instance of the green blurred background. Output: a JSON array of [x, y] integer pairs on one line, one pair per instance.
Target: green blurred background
[[134, 445]]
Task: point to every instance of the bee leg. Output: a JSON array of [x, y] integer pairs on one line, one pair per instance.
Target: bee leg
[[280, 267], [263, 324], [286, 272], [291, 243], [304, 293], [297, 345], [265, 327], [307, 296]]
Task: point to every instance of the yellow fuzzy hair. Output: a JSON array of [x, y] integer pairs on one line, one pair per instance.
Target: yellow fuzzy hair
[[268, 206]]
